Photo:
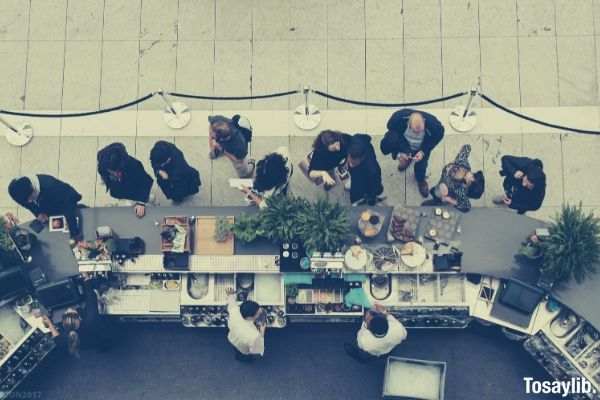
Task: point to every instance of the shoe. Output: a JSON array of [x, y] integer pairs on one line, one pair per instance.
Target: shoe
[[423, 188], [403, 164], [498, 200], [348, 184], [381, 198]]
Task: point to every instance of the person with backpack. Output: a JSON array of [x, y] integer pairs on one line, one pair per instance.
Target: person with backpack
[[272, 178], [176, 178], [230, 137]]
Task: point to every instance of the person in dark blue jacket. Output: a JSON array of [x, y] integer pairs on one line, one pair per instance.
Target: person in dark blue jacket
[[365, 173], [176, 178], [524, 184]]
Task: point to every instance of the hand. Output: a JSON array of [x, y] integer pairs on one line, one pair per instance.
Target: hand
[[140, 210], [163, 174], [419, 156], [86, 276], [403, 157], [519, 174], [244, 189], [507, 200], [327, 179], [46, 321], [42, 217], [449, 200], [229, 291], [11, 220]]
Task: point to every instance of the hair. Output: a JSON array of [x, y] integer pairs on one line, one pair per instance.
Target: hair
[[71, 323], [357, 149], [221, 128], [477, 187], [112, 157], [535, 173], [325, 138], [20, 189], [378, 325], [249, 309], [160, 153], [414, 116], [271, 172]]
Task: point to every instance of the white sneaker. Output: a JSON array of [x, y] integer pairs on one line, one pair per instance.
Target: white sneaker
[[347, 184]]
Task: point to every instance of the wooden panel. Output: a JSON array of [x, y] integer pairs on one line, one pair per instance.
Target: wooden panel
[[205, 242]]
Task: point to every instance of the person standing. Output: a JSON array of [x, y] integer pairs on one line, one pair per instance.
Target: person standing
[[230, 137], [46, 196], [524, 184], [176, 178], [365, 173], [246, 328], [272, 177], [125, 177], [327, 158], [412, 135]]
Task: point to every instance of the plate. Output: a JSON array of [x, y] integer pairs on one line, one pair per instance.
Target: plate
[[355, 263], [417, 258]]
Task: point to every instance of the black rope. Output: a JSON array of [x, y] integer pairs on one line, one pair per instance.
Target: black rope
[[537, 121], [261, 96], [81, 114], [366, 103]]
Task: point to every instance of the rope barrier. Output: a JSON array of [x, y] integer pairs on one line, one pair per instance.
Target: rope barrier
[[255, 97], [537, 121], [366, 103]]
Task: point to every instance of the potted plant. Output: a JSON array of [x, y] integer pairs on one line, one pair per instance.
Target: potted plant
[[222, 229], [572, 249], [247, 227], [9, 256], [324, 226], [280, 221]]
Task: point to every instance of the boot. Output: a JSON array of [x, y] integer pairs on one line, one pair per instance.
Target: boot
[[423, 188]]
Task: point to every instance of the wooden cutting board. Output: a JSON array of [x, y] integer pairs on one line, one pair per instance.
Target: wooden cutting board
[[205, 244]]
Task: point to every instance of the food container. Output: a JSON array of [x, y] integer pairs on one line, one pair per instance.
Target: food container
[[370, 223], [407, 378]]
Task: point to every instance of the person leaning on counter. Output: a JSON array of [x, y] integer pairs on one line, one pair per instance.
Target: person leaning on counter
[[246, 328]]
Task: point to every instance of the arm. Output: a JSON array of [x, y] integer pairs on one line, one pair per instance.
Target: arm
[[461, 200], [90, 314], [374, 184], [462, 158], [512, 164], [70, 212], [142, 181], [435, 131]]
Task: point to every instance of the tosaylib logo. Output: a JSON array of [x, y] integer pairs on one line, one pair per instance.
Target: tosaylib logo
[[577, 385]]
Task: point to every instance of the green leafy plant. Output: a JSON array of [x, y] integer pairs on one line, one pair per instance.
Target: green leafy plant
[[280, 220], [573, 248], [222, 229], [324, 226], [247, 227], [5, 243]]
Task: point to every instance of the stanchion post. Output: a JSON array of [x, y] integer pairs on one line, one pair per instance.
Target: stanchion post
[[462, 118], [307, 116], [17, 135], [177, 114]]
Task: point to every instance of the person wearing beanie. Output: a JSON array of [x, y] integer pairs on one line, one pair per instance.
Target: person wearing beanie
[[230, 137], [176, 178], [46, 196], [124, 176], [524, 184], [365, 173]]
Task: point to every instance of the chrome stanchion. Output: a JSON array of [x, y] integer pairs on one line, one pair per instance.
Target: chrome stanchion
[[307, 116], [177, 114], [17, 135], [462, 118]]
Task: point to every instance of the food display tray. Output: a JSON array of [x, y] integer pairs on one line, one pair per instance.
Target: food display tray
[[445, 228], [412, 217]]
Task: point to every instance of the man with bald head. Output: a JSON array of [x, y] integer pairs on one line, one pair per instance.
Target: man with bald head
[[411, 136]]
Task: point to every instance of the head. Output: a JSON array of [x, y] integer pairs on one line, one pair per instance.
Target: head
[[161, 153], [416, 122], [271, 171], [249, 309], [330, 140], [21, 190], [357, 151], [534, 176], [378, 325], [220, 127], [71, 322], [476, 185], [112, 158]]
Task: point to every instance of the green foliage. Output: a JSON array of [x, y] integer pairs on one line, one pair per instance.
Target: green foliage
[[573, 248], [5, 242], [324, 226], [222, 229], [247, 227], [280, 220]]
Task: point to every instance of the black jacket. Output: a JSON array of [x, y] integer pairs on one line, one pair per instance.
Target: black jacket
[[394, 141], [522, 198], [366, 178], [183, 180], [134, 185], [56, 198]]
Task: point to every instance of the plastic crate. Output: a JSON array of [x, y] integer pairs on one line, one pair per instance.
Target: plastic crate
[[412, 379]]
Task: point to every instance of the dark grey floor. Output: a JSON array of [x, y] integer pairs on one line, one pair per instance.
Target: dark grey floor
[[169, 362]]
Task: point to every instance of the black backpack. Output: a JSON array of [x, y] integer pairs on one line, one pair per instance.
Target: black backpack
[[244, 127]]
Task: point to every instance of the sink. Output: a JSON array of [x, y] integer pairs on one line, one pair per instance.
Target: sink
[[564, 323], [197, 286]]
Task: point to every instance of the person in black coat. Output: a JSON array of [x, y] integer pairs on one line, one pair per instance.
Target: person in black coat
[[47, 196], [411, 136], [365, 174], [124, 176], [524, 184], [176, 178], [327, 158]]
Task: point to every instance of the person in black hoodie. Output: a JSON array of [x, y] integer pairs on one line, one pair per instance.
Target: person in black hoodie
[[124, 176], [46, 196], [327, 159], [365, 173], [174, 175], [411, 136], [524, 184]]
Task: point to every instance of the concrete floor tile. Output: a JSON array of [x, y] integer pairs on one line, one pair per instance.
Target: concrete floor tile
[[158, 61], [195, 69], [85, 19], [12, 74], [103, 198], [453, 144], [261, 146], [47, 20], [234, 20], [461, 68], [41, 156], [423, 70], [500, 70], [574, 17], [349, 121], [41, 126], [385, 71], [222, 193], [77, 165], [384, 19], [270, 73], [377, 119], [596, 13], [308, 19], [81, 86], [581, 166], [195, 150], [460, 18], [14, 19], [538, 71], [122, 19], [497, 18], [422, 19], [268, 123], [345, 71], [300, 185], [116, 123], [44, 75], [548, 148], [143, 145], [492, 121], [536, 18], [545, 213], [345, 19], [10, 168], [576, 117], [577, 81], [119, 81], [308, 67], [196, 20], [232, 73], [271, 20], [159, 20], [494, 147]]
